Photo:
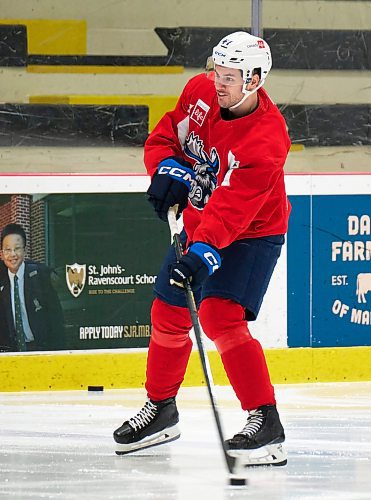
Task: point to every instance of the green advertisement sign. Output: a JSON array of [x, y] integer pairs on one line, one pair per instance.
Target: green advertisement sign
[[105, 249]]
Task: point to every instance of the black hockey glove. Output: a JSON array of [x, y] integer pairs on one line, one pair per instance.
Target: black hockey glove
[[170, 186], [200, 262]]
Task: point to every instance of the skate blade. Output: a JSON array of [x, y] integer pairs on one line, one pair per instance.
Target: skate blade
[[162, 437], [271, 454]]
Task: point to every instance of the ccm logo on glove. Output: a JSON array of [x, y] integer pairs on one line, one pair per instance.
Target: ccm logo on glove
[[182, 174], [170, 186], [212, 262], [200, 262]]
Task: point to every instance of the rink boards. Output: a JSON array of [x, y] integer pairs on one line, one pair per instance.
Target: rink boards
[[320, 294]]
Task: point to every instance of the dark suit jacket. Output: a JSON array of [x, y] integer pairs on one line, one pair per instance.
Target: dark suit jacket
[[43, 309]]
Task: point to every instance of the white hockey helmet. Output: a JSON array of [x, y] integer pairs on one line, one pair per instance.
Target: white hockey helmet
[[246, 52]]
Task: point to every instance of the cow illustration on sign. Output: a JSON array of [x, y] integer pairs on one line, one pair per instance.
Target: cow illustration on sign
[[363, 286]]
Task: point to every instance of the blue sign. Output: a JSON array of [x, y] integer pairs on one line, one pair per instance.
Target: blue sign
[[332, 281]]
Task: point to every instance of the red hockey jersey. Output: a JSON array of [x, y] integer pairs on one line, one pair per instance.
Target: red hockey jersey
[[239, 190]]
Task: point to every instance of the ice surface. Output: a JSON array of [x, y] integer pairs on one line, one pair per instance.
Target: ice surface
[[59, 445]]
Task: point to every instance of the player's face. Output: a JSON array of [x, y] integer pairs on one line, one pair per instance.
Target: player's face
[[228, 85], [13, 252]]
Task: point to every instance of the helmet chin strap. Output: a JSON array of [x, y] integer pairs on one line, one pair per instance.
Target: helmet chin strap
[[247, 93]]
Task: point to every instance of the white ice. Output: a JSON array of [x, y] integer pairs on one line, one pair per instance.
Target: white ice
[[59, 445]]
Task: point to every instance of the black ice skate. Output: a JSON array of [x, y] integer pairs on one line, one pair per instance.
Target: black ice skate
[[259, 442], [154, 424]]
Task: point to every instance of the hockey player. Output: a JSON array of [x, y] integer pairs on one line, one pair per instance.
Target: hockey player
[[218, 156]]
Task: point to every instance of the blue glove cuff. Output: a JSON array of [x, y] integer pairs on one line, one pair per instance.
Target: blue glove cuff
[[176, 171], [209, 256]]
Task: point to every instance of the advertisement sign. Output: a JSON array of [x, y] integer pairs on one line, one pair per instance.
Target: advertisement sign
[[329, 263], [342, 266], [103, 251], [94, 247]]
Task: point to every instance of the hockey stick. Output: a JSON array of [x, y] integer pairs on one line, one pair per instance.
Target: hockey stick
[[173, 225]]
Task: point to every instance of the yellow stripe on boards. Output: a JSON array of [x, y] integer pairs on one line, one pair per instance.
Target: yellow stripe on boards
[[73, 371], [297, 147], [49, 99], [53, 36]]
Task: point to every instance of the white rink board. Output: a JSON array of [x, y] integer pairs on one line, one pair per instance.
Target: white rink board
[[73, 183], [296, 184]]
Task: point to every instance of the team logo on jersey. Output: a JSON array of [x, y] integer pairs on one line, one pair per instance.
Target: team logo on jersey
[[261, 44], [206, 169], [199, 112], [75, 278]]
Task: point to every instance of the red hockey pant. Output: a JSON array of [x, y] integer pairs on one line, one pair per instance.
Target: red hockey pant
[[223, 321]]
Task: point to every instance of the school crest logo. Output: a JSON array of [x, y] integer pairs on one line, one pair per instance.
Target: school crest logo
[[75, 278]]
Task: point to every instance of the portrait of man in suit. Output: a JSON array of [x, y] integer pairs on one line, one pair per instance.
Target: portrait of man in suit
[[31, 316]]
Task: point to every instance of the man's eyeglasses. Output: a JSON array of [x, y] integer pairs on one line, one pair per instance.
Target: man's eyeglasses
[[16, 250]]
